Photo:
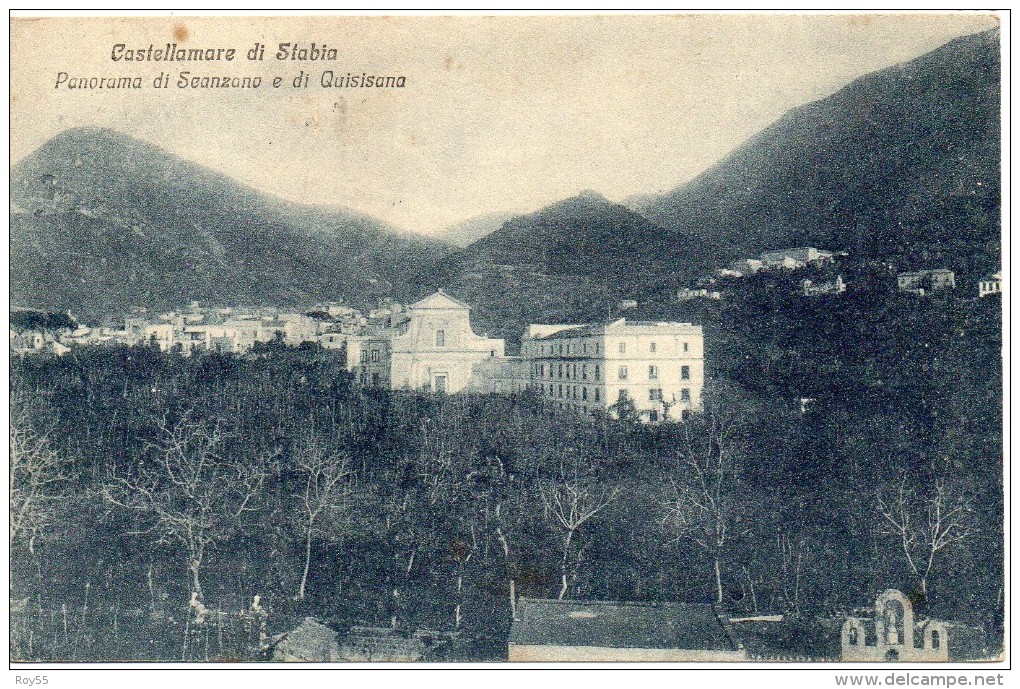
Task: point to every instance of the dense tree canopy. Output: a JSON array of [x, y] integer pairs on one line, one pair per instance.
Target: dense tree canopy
[[394, 508]]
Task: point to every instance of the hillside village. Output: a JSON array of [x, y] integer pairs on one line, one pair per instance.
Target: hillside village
[[430, 344]]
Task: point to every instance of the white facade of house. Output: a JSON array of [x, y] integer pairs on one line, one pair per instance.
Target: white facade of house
[[813, 289], [686, 294], [745, 266], [799, 257], [991, 284], [921, 282]]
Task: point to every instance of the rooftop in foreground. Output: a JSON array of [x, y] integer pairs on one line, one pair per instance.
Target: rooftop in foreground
[[614, 624]]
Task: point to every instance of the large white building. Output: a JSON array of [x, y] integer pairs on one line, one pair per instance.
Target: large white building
[[431, 348], [583, 368]]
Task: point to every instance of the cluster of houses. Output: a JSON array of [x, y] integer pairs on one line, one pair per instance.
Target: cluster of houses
[[782, 259], [233, 329], [654, 369], [920, 282], [228, 329]]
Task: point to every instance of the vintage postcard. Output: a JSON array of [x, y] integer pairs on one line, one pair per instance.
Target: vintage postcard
[[659, 338]]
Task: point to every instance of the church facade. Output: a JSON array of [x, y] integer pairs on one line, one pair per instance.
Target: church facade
[[432, 348]]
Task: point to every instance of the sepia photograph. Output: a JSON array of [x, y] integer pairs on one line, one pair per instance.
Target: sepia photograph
[[644, 340]]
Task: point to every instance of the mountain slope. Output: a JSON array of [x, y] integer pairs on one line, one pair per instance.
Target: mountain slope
[[101, 222], [468, 231], [900, 164], [567, 262], [585, 235]]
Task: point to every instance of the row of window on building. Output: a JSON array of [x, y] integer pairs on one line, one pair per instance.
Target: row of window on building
[[572, 348], [367, 356], [570, 392], [572, 371]]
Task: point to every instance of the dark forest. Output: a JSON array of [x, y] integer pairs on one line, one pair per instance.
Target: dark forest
[[154, 496]]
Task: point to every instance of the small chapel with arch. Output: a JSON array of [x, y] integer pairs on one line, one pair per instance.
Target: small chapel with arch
[[892, 634]]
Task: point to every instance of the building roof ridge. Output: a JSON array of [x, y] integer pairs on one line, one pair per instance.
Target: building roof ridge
[[616, 603], [442, 293]]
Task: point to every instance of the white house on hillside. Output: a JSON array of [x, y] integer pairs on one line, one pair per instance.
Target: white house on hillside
[[922, 282], [796, 258], [991, 284]]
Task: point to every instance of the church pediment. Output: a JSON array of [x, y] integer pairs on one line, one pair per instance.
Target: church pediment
[[440, 300]]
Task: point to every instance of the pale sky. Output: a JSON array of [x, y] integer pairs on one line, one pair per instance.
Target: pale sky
[[498, 114]]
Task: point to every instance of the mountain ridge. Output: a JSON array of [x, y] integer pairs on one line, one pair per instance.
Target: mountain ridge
[[901, 165], [102, 222], [469, 231], [570, 261], [895, 164]]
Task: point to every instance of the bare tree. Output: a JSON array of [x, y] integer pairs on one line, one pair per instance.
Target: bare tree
[[424, 489], [463, 551], [792, 554], [508, 557], [193, 493], [434, 464], [772, 570], [925, 525], [325, 497], [502, 506], [37, 472], [571, 499], [703, 502]]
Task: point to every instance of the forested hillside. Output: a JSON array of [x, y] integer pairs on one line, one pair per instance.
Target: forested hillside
[[102, 223], [569, 262], [902, 164]]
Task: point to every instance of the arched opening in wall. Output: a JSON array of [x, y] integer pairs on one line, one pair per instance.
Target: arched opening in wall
[[894, 620], [936, 640], [892, 656]]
